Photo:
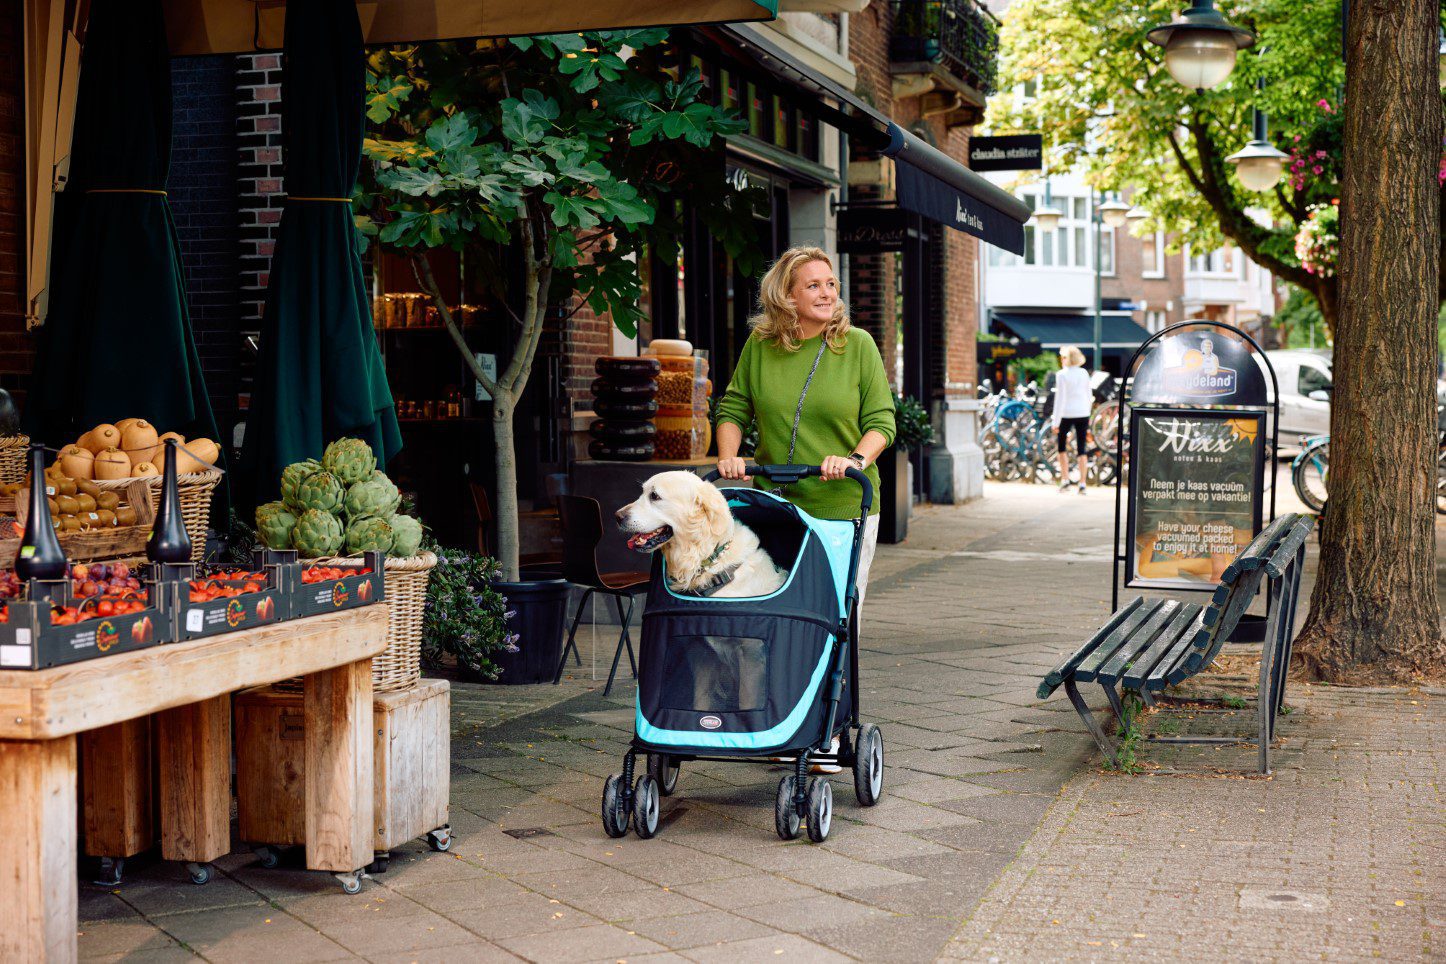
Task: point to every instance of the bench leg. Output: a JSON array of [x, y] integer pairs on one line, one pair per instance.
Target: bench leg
[[1092, 724]]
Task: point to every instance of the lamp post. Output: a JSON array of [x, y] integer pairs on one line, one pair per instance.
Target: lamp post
[[1110, 214], [1200, 46], [1258, 165]]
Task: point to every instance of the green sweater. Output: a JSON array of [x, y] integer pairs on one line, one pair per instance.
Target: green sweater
[[849, 395]]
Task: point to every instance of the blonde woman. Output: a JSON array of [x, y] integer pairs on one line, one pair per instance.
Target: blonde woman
[[817, 389], [1073, 398]]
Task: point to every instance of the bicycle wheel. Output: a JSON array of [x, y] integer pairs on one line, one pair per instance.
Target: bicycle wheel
[[994, 466], [1310, 474], [1046, 458]]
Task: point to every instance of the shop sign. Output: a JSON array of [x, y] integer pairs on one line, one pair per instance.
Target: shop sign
[[872, 230], [988, 352], [1196, 483], [488, 363], [1012, 152], [1204, 366]]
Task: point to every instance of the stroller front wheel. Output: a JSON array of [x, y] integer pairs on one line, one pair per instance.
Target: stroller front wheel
[[645, 807], [869, 765], [786, 818], [664, 769], [614, 807], [820, 809]]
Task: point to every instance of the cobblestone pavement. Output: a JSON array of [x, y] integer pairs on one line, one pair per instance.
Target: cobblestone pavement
[[998, 835]]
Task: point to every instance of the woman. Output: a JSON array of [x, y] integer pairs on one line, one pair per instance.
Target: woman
[[1073, 398], [817, 390]]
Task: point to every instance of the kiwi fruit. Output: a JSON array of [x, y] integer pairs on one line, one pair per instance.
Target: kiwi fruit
[[106, 518], [68, 505], [125, 515], [87, 503], [54, 507], [107, 500], [89, 488], [65, 486], [69, 523]]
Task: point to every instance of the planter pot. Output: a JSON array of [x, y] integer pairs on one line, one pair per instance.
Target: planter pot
[[896, 495], [541, 610]]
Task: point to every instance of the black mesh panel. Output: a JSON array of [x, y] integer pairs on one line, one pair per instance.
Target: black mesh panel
[[716, 674]]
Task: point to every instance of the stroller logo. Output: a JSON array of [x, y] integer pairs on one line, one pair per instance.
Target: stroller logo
[[1200, 374], [710, 722]]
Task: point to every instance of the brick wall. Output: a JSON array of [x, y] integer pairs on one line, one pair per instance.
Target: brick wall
[[258, 172], [202, 187], [1128, 282], [16, 351]]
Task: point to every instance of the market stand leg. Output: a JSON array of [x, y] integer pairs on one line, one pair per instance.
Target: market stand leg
[[37, 850], [195, 770], [339, 791], [115, 792]]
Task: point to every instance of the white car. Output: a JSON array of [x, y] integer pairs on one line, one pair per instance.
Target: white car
[[1304, 376]]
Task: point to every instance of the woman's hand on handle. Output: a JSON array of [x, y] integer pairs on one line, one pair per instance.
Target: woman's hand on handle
[[834, 466], [732, 468]]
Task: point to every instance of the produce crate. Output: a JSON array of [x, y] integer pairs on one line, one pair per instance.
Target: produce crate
[[328, 596], [195, 491], [411, 765], [198, 618], [29, 640]]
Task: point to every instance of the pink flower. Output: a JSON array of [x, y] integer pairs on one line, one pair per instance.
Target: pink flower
[[1320, 153], [1316, 169], [1297, 137]]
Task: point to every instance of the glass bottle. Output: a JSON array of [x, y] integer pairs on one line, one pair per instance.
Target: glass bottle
[[40, 555], [169, 541]]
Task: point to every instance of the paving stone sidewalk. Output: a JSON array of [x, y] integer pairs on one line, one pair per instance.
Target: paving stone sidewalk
[[996, 821]]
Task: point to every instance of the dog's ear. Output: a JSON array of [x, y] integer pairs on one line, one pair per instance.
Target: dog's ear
[[714, 506]]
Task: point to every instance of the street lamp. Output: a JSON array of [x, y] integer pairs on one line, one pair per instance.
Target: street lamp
[[1114, 213], [1047, 217], [1258, 165], [1200, 46], [1135, 215]]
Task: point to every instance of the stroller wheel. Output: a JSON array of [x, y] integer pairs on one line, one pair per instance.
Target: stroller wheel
[[645, 807], [614, 809], [869, 765], [820, 809], [664, 769], [786, 819]]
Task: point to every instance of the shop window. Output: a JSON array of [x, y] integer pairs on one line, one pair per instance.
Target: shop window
[[729, 83], [783, 129], [1107, 251], [757, 112], [808, 144], [1152, 255]]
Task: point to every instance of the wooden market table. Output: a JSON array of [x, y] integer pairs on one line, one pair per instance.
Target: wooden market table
[[187, 685]]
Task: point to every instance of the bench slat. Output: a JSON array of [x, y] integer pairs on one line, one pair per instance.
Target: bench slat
[[1168, 670], [1253, 556], [1056, 676], [1286, 550], [1141, 641], [1184, 625], [1120, 637]]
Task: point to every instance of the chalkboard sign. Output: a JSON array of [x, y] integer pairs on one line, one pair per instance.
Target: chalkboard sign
[[1196, 479]]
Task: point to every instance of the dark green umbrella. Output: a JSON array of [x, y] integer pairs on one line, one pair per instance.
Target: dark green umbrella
[[320, 375], [117, 340]]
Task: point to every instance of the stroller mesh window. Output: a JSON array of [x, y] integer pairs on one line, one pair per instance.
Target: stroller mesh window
[[719, 674]]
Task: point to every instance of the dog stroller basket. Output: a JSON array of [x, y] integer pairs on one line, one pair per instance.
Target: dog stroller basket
[[760, 677]]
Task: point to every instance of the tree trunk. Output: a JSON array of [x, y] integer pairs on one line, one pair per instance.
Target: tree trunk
[[1374, 612], [506, 464], [1327, 295]]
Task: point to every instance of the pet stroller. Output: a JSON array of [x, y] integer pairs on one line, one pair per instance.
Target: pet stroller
[[757, 678]]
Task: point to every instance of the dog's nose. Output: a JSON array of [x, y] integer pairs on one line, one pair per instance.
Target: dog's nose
[[621, 515]]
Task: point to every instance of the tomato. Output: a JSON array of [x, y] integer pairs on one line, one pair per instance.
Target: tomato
[[105, 608]]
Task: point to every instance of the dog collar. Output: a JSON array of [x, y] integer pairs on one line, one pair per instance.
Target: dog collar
[[718, 550], [718, 581]]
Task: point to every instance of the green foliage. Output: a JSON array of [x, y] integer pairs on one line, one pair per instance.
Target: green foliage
[[913, 427], [1233, 702], [1130, 736], [1297, 318], [587, 137], [464, 616]]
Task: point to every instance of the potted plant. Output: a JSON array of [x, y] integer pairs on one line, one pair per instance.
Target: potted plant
[[562, 149], [912, 431], [466, 618]]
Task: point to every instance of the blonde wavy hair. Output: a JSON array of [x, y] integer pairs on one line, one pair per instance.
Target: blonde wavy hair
[[777, 321], [1072, 356]]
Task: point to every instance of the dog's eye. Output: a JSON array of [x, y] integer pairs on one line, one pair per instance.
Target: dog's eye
[[653, 496]]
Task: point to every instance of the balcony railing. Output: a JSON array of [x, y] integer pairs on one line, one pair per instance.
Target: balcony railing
[[959, 35]]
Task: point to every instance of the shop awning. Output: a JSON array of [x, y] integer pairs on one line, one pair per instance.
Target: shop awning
[[930, 182], [1054, 330], [239, 26]]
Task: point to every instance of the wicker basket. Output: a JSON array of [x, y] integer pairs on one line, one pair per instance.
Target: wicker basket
[[12, 458], [195, 491]]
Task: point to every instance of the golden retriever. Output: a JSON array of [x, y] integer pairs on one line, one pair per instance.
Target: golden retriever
[[707, 551]]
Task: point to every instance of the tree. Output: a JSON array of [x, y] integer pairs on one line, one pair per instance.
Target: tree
[[559, 147], [1104, 100], [1374, 610]]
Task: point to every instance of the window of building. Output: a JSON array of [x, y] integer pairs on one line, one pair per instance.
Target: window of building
[[1223, 262], [1155, 321], [1152, 255], [1107, 251]]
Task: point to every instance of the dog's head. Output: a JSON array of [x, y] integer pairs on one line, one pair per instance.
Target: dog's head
[[677, 505]]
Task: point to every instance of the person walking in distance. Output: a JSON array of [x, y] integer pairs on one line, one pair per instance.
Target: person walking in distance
[[1072, 400]]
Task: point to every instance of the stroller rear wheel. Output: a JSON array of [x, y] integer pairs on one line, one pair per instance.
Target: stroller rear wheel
[[786, 818], [820, 809], [664, 769], [869, 765], [645, 807], [614, 807]]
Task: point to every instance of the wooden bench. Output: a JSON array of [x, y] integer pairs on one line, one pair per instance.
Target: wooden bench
[[1150, 644]]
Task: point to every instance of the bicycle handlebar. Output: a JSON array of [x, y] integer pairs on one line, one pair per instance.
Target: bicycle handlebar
[[788, 474]]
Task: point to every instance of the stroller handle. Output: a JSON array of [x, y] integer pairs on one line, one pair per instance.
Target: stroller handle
[[788, 474]]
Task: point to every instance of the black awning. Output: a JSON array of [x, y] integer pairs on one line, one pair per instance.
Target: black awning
[[1056, 330], [930, 182]]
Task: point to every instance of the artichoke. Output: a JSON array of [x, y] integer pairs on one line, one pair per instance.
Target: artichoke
[[291, 478], [369, 535], [406, 535], [321, 491], [317, 533], [376, 497], [274, 522], [349, 459]]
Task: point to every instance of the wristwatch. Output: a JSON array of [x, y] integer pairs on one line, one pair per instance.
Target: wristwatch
[[857, 459]]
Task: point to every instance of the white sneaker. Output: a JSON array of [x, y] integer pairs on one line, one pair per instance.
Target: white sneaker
[[1081, 488], [1064, 487], [827, 767]]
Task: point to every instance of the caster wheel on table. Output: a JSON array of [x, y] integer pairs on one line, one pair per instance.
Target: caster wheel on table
[[664, 769], [820, 809], [109, 874], [614, 807], [200, 873], [440, 839], [268, 857], [869, 765], [351, 883], [786, 819], [645, 807], [379, 862]]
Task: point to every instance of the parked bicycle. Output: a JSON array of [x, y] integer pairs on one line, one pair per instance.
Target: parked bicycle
[[1310, 473]]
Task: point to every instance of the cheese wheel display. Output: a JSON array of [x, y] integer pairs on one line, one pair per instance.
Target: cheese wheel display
[[627, 368], [625, 399], [670, 346]]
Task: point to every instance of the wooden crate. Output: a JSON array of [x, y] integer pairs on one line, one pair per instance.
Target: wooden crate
[[412, 749]]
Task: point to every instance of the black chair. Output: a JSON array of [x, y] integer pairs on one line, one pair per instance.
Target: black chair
[[582, 530]]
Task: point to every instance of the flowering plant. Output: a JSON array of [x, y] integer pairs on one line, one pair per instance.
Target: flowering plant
[[464, 616], [1318, 242], [1315, 156]]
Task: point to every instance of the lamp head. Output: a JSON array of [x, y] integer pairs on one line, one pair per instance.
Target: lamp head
[[1046, 218], [1258, 165], [1113, 213], [1200, 46]]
